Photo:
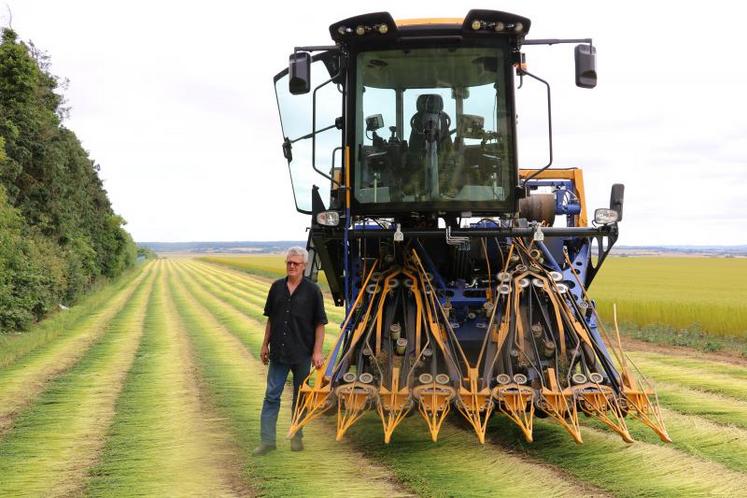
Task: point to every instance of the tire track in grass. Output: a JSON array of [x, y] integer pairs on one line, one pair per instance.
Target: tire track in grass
[[161, 443], [247, 282], [24, 380], [52, 444], [413, 458], [237, 382]]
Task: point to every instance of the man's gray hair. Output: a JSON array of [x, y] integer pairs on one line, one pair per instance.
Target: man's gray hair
[[298, 251]]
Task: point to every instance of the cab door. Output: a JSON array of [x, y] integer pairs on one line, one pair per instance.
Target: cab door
[[311, 127]]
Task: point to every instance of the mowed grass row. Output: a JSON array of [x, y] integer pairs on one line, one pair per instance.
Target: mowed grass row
[[248, 302], [695, 436], [679, 292], [92, 307], [430, 469], [266, 265], [54, 441], [30, 371], [161, 442], [250, 282]]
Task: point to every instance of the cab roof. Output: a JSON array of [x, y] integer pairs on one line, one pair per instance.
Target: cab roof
[[380, 27]]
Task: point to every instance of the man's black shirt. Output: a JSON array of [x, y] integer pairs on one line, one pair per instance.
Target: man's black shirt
[[293, 318]]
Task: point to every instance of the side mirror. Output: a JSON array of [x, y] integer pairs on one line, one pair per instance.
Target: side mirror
[[586, 66], [616, 199], [299, 73]]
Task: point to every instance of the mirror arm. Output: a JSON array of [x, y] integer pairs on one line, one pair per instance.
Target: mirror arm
[[317, 48], [310, 135], [555, 41]]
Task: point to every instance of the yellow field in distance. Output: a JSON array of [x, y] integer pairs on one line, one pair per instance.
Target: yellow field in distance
[[677, 291]]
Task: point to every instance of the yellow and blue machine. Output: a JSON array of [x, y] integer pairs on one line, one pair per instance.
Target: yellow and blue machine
[[463, 276]]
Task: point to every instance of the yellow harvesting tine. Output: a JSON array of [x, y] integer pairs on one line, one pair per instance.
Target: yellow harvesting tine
[[352, 401], [394, 404], [513, 402], [312, 401], [434, 403], [599, 403]]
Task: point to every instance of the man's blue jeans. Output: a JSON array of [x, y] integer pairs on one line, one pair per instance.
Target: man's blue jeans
[[277, 374]]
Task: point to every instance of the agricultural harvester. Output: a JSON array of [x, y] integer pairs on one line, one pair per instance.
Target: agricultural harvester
[[460, 292]]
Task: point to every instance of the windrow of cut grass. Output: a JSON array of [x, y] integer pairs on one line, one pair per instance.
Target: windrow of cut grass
[[255, 285], [88, 310], [265, 265], [639, 469], [708, 365], [162, 442], [694, 378], [236, 381], [29, 374], [54, 441], [699, 444], [485, 469], [248, 302], [677, 291], [720, 409]]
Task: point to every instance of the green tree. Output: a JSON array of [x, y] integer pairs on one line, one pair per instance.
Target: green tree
[[60, 233]]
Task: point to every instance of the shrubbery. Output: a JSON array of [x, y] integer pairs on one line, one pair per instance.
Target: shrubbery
[[58, 232]]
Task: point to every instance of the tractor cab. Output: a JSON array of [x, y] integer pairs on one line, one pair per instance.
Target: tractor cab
[[422, 110]]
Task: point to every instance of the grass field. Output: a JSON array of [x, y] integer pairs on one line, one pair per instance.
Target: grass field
[[152, 387]]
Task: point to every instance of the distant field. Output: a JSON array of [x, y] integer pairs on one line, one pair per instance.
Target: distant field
[[682, 292], [707, 294]]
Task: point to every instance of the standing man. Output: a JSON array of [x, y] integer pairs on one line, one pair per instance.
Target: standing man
[[294, 335]]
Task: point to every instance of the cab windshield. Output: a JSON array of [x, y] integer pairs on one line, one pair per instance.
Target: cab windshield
[[433, 125]]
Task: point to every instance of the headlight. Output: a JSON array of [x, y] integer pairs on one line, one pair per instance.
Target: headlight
[[328, 218], [605, 216]]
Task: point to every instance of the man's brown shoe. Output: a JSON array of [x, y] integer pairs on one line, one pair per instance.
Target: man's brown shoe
[[296, 444], [263, 449]]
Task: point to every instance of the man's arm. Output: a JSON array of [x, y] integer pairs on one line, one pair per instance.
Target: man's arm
[[317, 357], [264, 353]]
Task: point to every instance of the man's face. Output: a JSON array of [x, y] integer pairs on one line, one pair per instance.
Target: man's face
[[294, 265]]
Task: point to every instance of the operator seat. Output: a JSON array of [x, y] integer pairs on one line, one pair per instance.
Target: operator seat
[[430, 121]]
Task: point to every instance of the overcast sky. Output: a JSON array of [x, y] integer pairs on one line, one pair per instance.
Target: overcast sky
[[175, 101]]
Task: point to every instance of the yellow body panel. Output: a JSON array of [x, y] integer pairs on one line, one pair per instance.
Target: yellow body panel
[[427, 21]]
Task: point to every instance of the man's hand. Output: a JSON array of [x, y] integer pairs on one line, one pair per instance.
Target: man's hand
[[264, 354], [317, 359]]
